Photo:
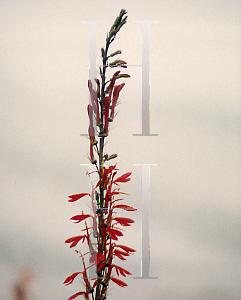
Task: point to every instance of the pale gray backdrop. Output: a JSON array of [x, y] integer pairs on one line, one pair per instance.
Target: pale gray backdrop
[[195, 72]]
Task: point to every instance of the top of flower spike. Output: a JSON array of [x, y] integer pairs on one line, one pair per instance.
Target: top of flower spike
[[119, 22]]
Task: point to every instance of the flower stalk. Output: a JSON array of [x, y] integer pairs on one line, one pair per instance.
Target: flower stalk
[[106, 192]]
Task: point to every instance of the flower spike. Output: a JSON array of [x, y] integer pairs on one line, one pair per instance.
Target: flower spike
[[102, 227]]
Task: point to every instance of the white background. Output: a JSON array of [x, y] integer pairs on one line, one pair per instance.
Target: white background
[[195, 72]]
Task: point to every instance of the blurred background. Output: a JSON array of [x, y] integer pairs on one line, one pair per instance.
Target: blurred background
[[195, 189]]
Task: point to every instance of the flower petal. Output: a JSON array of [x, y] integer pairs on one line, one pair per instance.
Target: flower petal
[[124, 221], [123, 178], [121, 270], [79, 218], [118, 281], [74, 240], [77, 197], [125, 248], [114, 233], [71, 278], [76, 295], [125, 207], [120, 254]]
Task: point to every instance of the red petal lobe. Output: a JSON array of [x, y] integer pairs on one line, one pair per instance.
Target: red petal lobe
[[77, 197]]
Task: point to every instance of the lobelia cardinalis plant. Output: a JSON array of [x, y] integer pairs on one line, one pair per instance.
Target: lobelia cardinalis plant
[[105, 194]]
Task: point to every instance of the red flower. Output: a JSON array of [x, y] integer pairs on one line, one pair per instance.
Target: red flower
[[97, 258], [71, 278], [90, 113], [74, 240], [77, 197], [123, 178], [91, 134], [118, 281], [116, 93], [89, 85], [80, 218], [113, 79], [121, 254], [114, 233], [122, 271], [93, 96], [106, 107], [92, 158], [125, 207], [78, 294], [94, 102], [124, 221], [125, 248]]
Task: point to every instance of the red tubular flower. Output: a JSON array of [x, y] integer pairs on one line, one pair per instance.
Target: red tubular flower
[[123, 178], [125, 207], [97, 258], [124, 221], [92, 94], [106, 114], [92, 157], [97, 114], [91, 134], [113, 79], [93, 200], [71, 278], [94, 101], [119, 282], [114, 233], [89, 85], [116, 92], [106, 261], [107, 199], [121, 254], [80, 218], [125, 248], [74, 240], [76, 197], [98, 86], [90, 113], [78, 294], [92, 142], [105, 175], [122, 271]]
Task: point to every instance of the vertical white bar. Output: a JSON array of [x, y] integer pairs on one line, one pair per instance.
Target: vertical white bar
[[145, 70], [145, 222]]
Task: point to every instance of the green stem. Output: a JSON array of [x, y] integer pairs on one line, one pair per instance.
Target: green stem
[[116, 27], [101, 162]]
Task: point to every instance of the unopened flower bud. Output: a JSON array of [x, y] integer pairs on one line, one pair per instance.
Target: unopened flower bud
[[123, 76], [112, 157], [117, 62], [102, 52], [115, 53]]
